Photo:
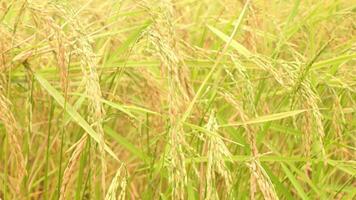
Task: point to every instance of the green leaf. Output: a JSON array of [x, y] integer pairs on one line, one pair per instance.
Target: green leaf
[[340, 166], [328, 62], [208, 132], [119, 107], [281, 189], [123, 108], [294, 182], [237, 46], [126, 144], [266, 118], [72, 112], [228, 41], [127, 43], [127, 109]]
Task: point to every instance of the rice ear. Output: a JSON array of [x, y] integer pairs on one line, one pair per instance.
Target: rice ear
[[118, 182], [14, 136], [162, 37], [89, 67], [70, 169], [258, 176], [216, 152]]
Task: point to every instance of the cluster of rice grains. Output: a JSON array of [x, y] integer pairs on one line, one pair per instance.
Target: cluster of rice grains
[[162, 36], [89, 64], [216, 153], [14, 137], [258, 175]]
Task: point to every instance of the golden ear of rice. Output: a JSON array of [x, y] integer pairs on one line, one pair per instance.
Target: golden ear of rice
[[258, 175], [57, 41], [14, 137], [176, 165], [263, 181], [91, 78], [119, 182], [305, 97], [217, 151], [70, 169], [162, 36]]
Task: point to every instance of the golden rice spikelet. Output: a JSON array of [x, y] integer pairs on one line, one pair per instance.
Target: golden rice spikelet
[[70, 169], [308, 130], [88, 60], [56, 39], [305, 97], [217, 151], [118, 182], [248, 91], [258, 175], [339, 117], [264, 182], [14, 136], [162, 37], [176, 163], [62, 55]]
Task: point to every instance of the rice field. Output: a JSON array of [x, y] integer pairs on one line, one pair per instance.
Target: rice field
[[177, 99]]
